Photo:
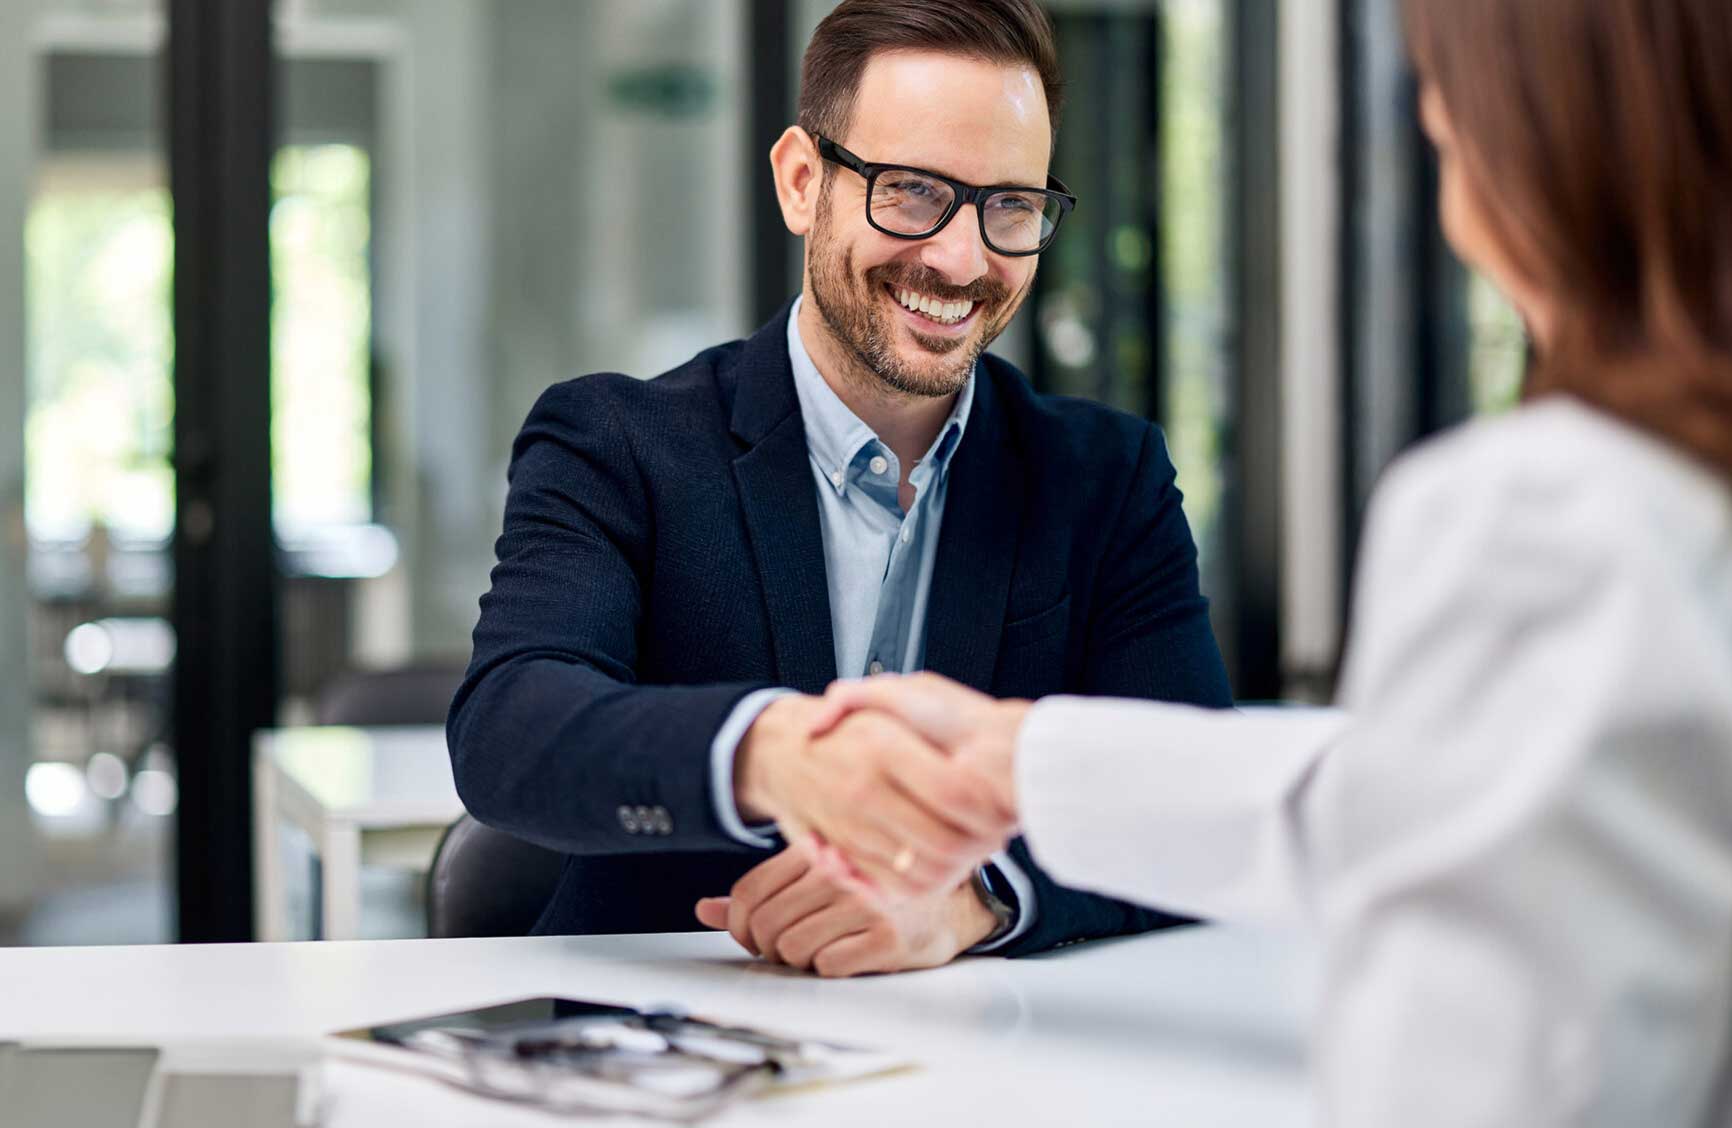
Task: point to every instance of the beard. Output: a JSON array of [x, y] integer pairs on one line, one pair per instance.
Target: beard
[[850, 307]]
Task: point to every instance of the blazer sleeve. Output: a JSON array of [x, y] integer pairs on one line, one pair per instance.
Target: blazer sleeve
[[1148, 637], [551, 737]]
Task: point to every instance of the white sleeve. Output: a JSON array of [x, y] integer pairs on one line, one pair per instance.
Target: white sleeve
[[1184, 809], [1522, 852]]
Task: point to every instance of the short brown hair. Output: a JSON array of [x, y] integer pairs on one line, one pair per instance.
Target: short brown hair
[[1598, 133], [1011, 32]]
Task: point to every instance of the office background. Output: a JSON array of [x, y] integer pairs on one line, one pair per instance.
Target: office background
[[279, 282]]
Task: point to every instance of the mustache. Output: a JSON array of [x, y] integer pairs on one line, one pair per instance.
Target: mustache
[[908, 276]]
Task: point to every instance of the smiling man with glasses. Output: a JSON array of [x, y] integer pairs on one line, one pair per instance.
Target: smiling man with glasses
[[856, 489]]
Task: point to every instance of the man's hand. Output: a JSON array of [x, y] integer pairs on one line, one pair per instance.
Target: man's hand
[[908, 818], [790, 912], [978, 732]]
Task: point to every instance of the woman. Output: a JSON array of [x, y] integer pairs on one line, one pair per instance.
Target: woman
[[1519, 851]]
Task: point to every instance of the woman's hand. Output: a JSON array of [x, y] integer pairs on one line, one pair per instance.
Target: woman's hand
[[978, 732]]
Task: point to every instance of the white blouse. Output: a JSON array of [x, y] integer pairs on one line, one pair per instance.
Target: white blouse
[[1519, 848]]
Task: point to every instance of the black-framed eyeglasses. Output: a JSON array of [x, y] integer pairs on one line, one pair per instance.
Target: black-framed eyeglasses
[[912, 203]]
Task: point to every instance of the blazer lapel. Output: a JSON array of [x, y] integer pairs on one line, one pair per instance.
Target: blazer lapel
[[977, 546], [774, 479]]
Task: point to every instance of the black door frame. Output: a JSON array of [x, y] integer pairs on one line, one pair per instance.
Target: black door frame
[[221, 131], [768, 112], [1253, 501]]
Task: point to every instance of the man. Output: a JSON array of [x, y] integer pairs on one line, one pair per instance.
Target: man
[[687, 561]]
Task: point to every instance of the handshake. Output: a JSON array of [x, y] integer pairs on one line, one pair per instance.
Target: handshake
[[891, 792]]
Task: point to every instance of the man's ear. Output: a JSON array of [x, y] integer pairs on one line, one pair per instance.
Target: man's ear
[[799, 175]]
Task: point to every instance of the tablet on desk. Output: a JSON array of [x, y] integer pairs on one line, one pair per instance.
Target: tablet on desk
[[582, 1056], [489, 1019]]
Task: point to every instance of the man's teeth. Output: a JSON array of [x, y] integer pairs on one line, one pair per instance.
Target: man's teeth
[[947, 313]]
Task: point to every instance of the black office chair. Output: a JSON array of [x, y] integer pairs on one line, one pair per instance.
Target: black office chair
[[484, 882]]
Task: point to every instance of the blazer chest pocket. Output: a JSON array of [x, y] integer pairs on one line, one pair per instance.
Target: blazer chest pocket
[[1031, 653]]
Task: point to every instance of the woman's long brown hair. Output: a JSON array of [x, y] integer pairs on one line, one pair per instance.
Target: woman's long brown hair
[[1598, 138]]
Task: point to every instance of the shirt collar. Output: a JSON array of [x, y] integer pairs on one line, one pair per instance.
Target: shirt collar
[[836, 436]]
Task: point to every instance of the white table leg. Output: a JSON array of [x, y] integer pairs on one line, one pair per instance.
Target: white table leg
[[340, 855], [270, 891]]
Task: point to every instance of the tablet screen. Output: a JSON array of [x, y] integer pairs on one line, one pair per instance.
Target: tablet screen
[[486, 1020]]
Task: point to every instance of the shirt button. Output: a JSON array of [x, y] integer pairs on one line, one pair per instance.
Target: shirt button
[[837, 479], [879, 464], [875, 668], [907, 534]]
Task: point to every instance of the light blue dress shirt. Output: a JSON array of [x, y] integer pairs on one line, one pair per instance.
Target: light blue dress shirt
[[878, 560]]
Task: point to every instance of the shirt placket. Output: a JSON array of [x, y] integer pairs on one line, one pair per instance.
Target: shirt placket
[[894, 620]]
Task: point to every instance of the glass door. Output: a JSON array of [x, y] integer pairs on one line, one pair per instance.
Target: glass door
[[85, 458]]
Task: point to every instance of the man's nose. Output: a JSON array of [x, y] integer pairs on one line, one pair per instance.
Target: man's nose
[[957, 252]]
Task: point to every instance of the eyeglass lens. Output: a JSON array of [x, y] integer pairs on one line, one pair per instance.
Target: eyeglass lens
[[907, 203]]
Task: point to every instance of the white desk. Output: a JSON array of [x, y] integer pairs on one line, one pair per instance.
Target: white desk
[[1195, 1027], [366, 796]]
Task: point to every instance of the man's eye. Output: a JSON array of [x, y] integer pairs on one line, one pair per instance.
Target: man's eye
[[918, 189]]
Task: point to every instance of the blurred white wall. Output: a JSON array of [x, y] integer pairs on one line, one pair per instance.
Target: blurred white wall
[[560, 193], [436, 282], [1310, 344]]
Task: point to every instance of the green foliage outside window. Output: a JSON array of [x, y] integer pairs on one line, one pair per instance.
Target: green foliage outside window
[[99, 427], [1193, 236], [1497, 357], [321, 333]]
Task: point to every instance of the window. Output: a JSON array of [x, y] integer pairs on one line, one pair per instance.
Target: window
[[1098, 299], [1497, 355], [99, 427], [1134, 302], [1194, 253], [321, 338], [99, 421]]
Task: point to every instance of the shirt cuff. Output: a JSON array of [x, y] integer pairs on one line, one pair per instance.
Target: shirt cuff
[[1026, 907], [722, 751]]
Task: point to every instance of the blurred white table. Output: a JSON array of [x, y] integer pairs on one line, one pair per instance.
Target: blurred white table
[[1196, 1027], [366, 796]]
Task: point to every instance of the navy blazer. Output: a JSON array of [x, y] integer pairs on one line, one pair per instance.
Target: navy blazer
[[662, 558]]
